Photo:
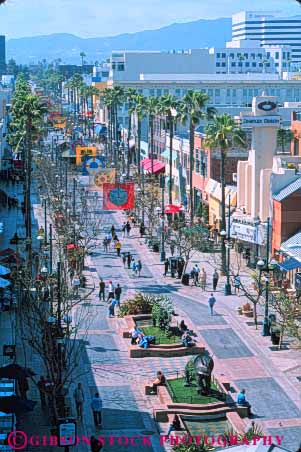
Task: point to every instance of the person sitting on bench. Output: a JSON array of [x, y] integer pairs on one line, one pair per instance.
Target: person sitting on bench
[[135, 332], [187, 340], [242, 401], [175, 425], [159, 381]]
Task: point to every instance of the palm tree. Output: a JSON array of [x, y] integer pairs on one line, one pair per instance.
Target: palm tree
[[168, 107], [284, 138], [107, 99], [27, 117], [139, 108], [82, 55], [192, 110], [152, 104], [130, 95], [224, 133]]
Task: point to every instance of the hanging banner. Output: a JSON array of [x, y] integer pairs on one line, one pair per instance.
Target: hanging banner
[[94, 165], [106, 176], [81, 151], [118, 196]]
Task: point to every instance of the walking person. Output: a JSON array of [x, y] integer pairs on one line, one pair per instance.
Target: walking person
[[79, 398], [123, 229], [133, 264], [111, 290], [129, 260], [118, 291], [96, 406], [23, 388], [172, 249], [139, 267], [142, 229], [102, 289], [215, 280], [166, 267], [95, 444], [128, 228], [42, 391], [105, 245], [124, 259], [196, 272], [211, 302], [113, 231], [237, 284], [118, 247], [203, 279], [112, 303]]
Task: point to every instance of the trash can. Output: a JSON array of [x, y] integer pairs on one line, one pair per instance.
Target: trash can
[[275, 335], [155, 248], [185, 279], [173, 265]]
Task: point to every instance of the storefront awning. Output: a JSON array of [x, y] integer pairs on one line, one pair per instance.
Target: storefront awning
[[100, 129], [165, 155], [154, 167], [289, 264]]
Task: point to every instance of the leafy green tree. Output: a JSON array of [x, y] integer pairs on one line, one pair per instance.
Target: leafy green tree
[[130, 95], [139, 109]]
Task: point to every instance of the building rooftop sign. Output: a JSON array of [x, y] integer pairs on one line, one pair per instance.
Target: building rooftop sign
[[260, 121]]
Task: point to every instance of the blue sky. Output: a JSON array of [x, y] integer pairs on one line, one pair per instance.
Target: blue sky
[[91, 18]]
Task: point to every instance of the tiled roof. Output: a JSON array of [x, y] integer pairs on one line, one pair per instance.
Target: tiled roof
[[288, 190], [292, 246]]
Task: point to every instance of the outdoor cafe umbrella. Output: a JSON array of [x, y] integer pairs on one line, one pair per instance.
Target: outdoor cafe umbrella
[[15, 371], [4, 283], [4, 270], [16, 405]]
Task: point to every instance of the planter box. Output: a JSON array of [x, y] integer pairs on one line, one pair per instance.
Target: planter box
[[165, 351]]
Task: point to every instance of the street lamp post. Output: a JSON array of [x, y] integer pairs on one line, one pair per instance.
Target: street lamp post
[[50, 249], [162, 254], [45, 219], [264, 266]]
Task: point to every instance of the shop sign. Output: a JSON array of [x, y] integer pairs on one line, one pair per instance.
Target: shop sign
[[260, 121]]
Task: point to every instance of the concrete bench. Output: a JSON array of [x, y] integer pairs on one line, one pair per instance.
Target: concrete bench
[[243, 411]]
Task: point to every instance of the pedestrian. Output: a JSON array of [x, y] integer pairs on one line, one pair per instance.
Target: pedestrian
[[102, 289], [124, 259], [203, 279], [95, 444], [133, 264], [96, 406], [142, 229], [215, 279], [113, 232], [196, 272], [105, 244], [118, 247], [109, 239], [129, 260], [172, 249], [211, 302], [111, 306], [118, 291], [128, 228], [42, 391], [166, 267], [237, 284], [123, 229], [111, 290], [139, 267], [79, 398], [23, 388]]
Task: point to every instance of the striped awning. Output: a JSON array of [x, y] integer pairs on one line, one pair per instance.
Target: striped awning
[[154, 167], [288, 264]]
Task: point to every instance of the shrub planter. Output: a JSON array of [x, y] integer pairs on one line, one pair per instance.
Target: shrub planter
[[159, 350]]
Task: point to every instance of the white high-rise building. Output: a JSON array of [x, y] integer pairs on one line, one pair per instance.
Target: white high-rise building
[[270, 29]]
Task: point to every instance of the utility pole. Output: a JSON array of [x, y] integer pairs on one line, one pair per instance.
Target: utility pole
[[45, 220], [50, 249]]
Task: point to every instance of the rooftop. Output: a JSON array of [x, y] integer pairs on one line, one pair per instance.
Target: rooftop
[[288, 190]]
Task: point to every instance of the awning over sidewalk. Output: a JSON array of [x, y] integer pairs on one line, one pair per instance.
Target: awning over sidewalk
[[288, 264], [154, 167]]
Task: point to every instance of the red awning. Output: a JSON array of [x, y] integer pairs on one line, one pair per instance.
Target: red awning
[[156, 166], [172, 208]]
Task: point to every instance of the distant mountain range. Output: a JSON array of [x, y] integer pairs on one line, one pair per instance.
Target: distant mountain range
[[67, 47]]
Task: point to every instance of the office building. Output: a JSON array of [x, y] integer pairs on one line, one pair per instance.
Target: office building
[[270, 29]]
